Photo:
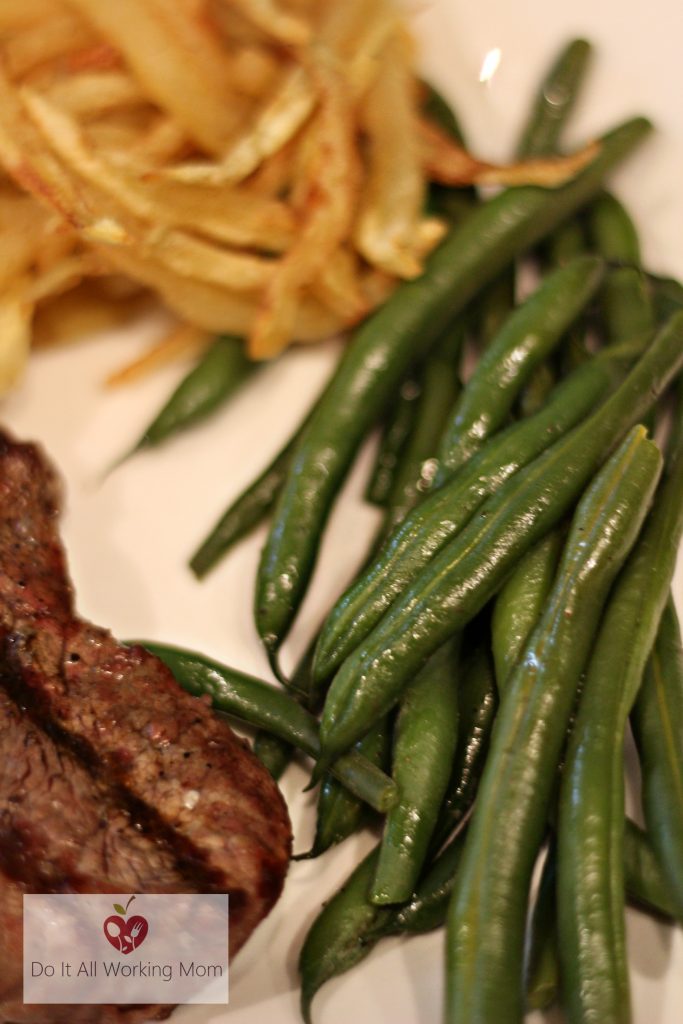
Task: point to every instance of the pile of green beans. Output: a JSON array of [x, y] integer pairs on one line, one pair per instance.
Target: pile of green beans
[[469, 692]]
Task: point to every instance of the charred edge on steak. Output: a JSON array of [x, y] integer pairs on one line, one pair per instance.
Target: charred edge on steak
[[190, 861]]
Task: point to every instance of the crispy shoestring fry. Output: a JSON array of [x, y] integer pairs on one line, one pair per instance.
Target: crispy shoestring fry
[[450, 164], [182, 340], [261, 166]]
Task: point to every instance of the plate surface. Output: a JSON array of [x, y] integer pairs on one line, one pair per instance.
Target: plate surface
[[128, 536]]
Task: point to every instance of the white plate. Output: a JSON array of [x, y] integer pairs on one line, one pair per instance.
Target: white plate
[[128, 537]]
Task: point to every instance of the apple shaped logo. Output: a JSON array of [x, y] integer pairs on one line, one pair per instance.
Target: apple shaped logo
[[125, 933]]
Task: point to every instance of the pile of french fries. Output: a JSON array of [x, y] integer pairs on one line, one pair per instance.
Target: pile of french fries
[[260, 165]]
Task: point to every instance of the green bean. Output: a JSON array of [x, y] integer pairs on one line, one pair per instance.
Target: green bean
[[555, 100], [416, 464], [379, 355], [526, 338], [471, 568], [644, 880], [442, 514], [270, 708], [247, 511], [425, 735], [539, 386], [645, 886], [591, 820], [565, 244], [667, 296], [520, 603], [394, 438], [541, 970], [273, 752], [487, 914], [477, 704], [493, 307], [340, 813], [218, 374], [343, 934], [626, 304], [349, 925], [427, 907], [658, 728]]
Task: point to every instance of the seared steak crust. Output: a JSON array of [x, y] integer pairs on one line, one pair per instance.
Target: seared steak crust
[[161, 794]]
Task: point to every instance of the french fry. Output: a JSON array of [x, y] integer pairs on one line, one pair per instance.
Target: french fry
[[286, 111], [182, 340], [394, 193], [274, 21], [92, 93], [46, 40], [450, 164], [79, 312], [178, 62], [15, 334], [329, 197], [234, 217], [219, 309]]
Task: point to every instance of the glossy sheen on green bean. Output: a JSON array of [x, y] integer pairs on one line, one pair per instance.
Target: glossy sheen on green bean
[[394, 438], [591, 820], [343, 933], [519, 604], [425, 734], [442, 514], [555, 100], [528, 336], [270, 708], [487, 915], [380, 354], [417, 465], [645, 887], [477, 706], [471, 568], [658, 727], [218, 374], [427, 907]]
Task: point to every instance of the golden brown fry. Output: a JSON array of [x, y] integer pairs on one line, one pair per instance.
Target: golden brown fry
[[394, 192], [16, 14], [82, 311], [16, 312], [450, 164], [339, 286], [48, 39], [232, 216], [177, 60], [271, 18], [285, 113], [185, 339], [181, 252], [328, 209], [219, 309], [95, 92]]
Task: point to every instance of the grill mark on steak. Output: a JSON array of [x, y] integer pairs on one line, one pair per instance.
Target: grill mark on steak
[[186, 802], [95, 847]]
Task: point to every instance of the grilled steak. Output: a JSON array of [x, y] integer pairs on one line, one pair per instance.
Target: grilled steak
[[162, 796]]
